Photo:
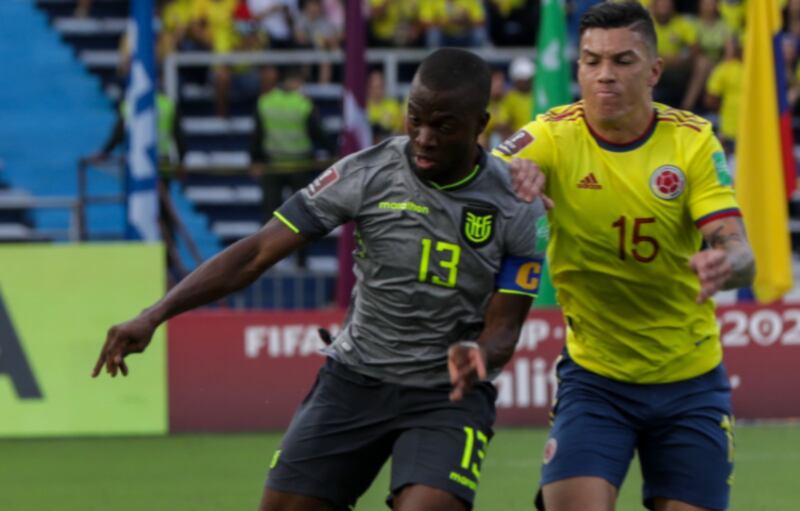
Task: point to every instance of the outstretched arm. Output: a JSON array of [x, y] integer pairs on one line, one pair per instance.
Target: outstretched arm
[[728, 263], [470, 361], [230, 270]]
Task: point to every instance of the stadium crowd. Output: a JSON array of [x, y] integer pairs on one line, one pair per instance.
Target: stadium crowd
[[700, 41]]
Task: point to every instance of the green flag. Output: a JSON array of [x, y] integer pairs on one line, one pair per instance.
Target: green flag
[[551, 88]]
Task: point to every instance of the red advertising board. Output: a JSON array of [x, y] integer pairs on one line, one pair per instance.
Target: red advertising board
[[239, 371]]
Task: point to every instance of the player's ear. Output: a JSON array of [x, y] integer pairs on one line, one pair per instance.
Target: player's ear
[[656, 69], [482, 122]]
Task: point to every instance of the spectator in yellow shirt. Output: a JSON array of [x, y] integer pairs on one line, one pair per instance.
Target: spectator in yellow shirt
[[677, 45], [712, 33], [176, 17], [491, 137], [385, 114], [724, 92], [453, 22], [732, 11], [228, 25], [212, 24], [393, 23], [517, 105]]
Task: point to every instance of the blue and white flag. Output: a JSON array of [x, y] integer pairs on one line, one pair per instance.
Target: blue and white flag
[[140, 114]]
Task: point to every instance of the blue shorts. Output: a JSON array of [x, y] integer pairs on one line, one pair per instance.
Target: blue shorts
[[682, 432]]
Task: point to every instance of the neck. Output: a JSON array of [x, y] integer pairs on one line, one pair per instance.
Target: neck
[[461, 171], [623, 130]]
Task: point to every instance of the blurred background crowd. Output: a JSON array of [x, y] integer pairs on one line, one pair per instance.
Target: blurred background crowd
[[250, 101], [700, 41]]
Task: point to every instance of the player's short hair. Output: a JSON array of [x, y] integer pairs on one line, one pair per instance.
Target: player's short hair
[[628, 14], [458, 71]]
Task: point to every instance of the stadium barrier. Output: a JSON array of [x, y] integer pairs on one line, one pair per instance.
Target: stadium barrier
[[388, 59], [56, 303], [239, 371]]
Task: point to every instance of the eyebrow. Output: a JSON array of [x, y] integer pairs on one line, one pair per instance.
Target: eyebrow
[[436, 115], [621, 54]]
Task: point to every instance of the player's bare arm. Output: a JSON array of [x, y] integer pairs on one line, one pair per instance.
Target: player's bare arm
[[728, 263], [231, 270], [469, 361]]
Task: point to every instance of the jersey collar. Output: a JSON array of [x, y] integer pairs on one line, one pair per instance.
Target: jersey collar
[[461, 183], [626, 146]]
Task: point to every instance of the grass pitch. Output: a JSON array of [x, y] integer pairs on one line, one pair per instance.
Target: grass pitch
[[226, 472]]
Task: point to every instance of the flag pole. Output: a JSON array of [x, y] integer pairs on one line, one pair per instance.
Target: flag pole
[[356, 134]]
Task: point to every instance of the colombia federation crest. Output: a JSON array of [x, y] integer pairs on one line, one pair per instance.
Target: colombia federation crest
[[667, 182]]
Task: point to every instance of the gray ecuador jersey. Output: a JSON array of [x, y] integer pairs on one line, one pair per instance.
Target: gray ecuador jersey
[[426, 259]]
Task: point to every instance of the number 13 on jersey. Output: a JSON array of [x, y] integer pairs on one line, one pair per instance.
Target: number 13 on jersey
[[451, 255]]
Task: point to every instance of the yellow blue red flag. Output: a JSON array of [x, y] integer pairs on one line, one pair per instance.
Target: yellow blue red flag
[[765, 167]]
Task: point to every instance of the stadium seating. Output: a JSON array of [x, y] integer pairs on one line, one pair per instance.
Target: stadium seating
[[217, 208]]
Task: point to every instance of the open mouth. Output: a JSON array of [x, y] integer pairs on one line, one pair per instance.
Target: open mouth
[[424, 162]]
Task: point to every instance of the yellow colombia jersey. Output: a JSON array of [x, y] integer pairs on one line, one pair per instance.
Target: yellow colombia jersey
[[622, 232]]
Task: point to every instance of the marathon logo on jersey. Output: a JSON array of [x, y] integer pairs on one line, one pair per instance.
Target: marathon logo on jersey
[[323, 181], [516, 143], [478, 224], [667, 182]]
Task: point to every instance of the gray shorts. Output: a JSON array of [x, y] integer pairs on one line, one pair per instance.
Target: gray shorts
[[350, 424]]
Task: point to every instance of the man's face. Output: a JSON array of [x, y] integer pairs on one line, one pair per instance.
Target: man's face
[[616, 72], [498, 85], [443, 131], [375, 85]]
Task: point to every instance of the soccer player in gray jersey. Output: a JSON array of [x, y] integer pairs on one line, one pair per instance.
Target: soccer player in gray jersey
[[446, 268]]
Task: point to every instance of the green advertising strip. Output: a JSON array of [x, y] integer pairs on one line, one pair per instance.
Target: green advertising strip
[[56, 304]]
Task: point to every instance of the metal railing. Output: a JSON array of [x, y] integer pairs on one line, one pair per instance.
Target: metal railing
[[390, 59], [112, 166], [171, 226], [27, 202]]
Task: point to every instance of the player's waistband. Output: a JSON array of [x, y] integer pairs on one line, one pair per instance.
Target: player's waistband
[[715, 379]]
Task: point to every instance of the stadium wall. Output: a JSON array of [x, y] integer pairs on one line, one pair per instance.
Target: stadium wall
[[56, 303], [240, 371]]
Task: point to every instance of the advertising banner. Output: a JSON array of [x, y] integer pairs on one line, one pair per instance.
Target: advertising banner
[[56, 304], [232, 371]]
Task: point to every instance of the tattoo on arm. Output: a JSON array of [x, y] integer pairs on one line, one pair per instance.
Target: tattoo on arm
[[730, 237], [721, 239]]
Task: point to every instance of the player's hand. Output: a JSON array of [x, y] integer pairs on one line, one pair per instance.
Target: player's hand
[[527, 181], [713, 269], [130, 337], [466, 363]]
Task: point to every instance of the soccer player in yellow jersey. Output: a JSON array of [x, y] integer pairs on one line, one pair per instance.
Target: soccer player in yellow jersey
[[637, 188]]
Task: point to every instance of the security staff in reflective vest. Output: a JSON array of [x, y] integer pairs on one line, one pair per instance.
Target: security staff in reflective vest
[[286, 140], [171, 145]]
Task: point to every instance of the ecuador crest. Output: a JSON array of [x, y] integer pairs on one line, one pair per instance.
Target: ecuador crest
[[477, 224]]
